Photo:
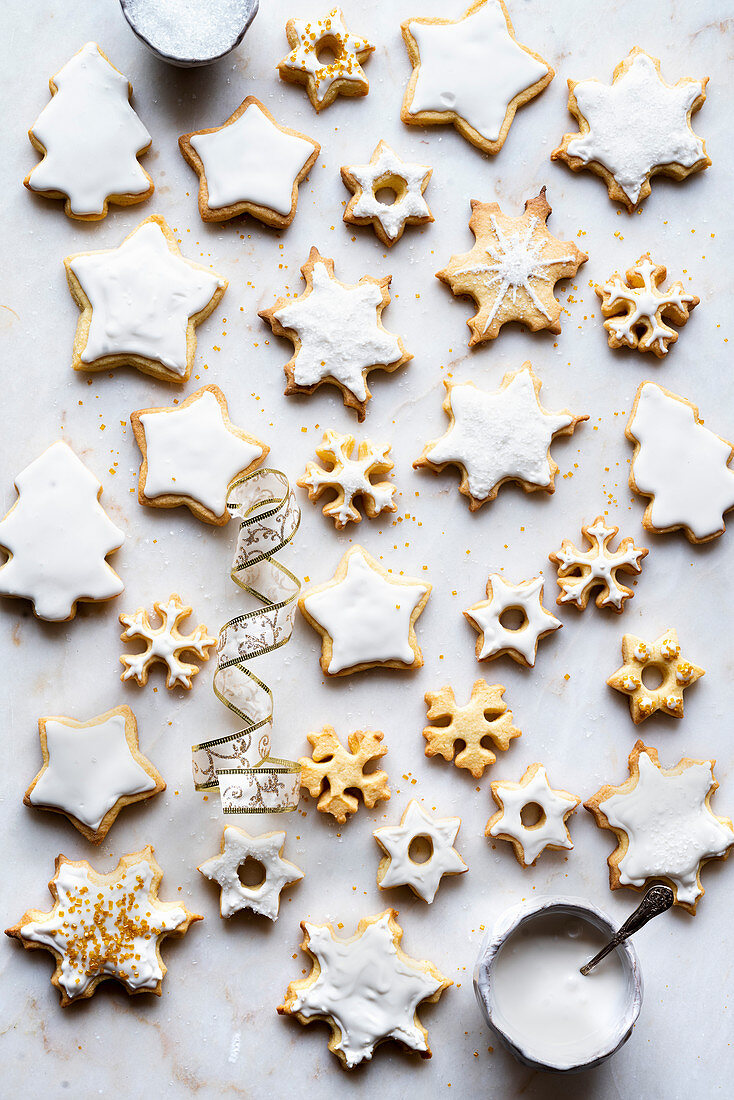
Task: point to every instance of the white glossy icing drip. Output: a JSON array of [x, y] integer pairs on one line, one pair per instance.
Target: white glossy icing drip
[[550, 830], [528, 597], [425, 877], [345, 66], [392, 216], [223, 869], [644, 303]]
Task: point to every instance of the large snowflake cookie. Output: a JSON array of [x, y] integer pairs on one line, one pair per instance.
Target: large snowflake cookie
[[365, 988], [191, 454], [339, 73], [468, 730], [470, 72], [337, 332], [664, 824], [512, 269], [350, 476], [635, 128], [105, 926], [164, 643], [249, 165], [336, 775], [90, 138], [682, 465], [399, 868], [57, 537], [239, 847], [387, 174], [500, 436], [532, 815], [636, 309], [518, 640], [141, 303], [583, 572], [666, 666]]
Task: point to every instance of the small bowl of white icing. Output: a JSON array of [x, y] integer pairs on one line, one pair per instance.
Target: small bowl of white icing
[[529, 987]]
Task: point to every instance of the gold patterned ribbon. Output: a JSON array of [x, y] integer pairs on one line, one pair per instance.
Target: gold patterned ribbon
[[250, 780]]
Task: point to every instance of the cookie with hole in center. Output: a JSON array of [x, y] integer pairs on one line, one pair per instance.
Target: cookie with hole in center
[[386, 172]]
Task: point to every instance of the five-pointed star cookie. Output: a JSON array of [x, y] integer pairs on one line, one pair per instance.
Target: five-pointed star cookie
[[92, 770], [249, 165], [386, 172], [471, 72], [634, 128], [667, 666], [519, 642], [365, 988], [325, 79], [636, 309], [664, 824], [398, 868], [552, 807], [500, 436], [366, 617], [237, 848], [191, 454], [337, 331]]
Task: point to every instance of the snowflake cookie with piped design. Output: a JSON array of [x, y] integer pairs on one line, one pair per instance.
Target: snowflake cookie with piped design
[[350, 476], [333, 774], [518, 641], [164, 643], [532, 795], [583, 572], [398, 868], [237, 848], [387, 172], [673, 673], [341, 74], [636, 309], [485, 718], [365, 988]]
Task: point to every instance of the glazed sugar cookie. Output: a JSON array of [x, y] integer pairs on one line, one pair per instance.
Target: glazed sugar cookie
[[673, 673], [551, 807], [501, 436], [583, 572], [350, 476], [512, 269], [486, 717], [249, 165], [397, 867], [664, 824], [90, 139], [325, 80], [520, 642], [635, 128], [365, 988], [191, 454], [366, 618], [337, 332], [333, 775], [266, 849], [471, 72], [92, 770], [164, 643], [636, 309], [141, 303], [680, 464], [105, 926], [57, 537], [387, 172]]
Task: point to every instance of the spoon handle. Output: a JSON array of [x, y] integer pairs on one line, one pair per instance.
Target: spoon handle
[[657, 900]]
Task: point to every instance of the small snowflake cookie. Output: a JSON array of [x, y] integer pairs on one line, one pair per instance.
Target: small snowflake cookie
[[141, 303], [340, 74], [350, 476], [386, 172], [398, 868], [164, 643], [518, 641], [333, 774], [532, 797], [634, 128], [249, 165], [500, 436], [470, 72], [486, 717], [636, 309], [90, 139], [365, 988], [237, 848], [672, 673], [192, 452], [583, 572], [664, 825], [512, 269]]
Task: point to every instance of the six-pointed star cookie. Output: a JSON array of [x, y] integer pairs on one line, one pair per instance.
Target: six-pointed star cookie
[[249, 165], [635, 128], [191, 454], [92, 770], [663, 659], [387, 172], [552, 807], [500, 436], [398, 868], [325, 79], [471, 72], [267, 850], [519, 642], [365, 616]]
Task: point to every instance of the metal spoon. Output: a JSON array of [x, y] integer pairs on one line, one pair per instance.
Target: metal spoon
[[658, 899]]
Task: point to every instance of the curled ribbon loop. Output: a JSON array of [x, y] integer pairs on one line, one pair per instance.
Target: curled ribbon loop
[[249, 779]]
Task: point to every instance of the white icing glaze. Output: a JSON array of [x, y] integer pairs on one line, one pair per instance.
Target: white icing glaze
[[345, 66], [528, 596], [644, 307], [350, 477], [267, 850], [597, 566], [91, 136], [550, 830], [473, 67], [58, 536], [164, 643], [411, 204], [682, 463], [424, 878]]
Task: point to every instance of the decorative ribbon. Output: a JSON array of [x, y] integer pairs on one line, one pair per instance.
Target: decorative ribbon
[[250, 780]]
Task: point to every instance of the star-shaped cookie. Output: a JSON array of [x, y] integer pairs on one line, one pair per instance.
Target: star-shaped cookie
[[398, 868], [266, 849], [663, 659], [552, 807], [519, 642], [387, 172], [325, 79]]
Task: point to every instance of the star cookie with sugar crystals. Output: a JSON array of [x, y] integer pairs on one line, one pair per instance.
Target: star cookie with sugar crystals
[[486, 717], [365, 988], [397, 868], [550, 829], [350, 476], [634, 128], [582, 572], [164, 643], [386, 171], [636, 309], [325, 80], [521, 642], [663, 656], [237, 848], [333, 774]]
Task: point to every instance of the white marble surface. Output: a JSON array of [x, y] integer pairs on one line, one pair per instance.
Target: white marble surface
[[215, 1032]]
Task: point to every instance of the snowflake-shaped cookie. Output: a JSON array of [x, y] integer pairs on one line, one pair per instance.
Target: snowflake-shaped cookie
[[635, 128], [164, 643], [552, 808], [350, 476], [265, 849], [486, 717], [398, 868], [387, 172], [332, 773], [325, 80], [512, 269], [519, 642], [636, 309], [581, 572], [663, 658], [366, 988]]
